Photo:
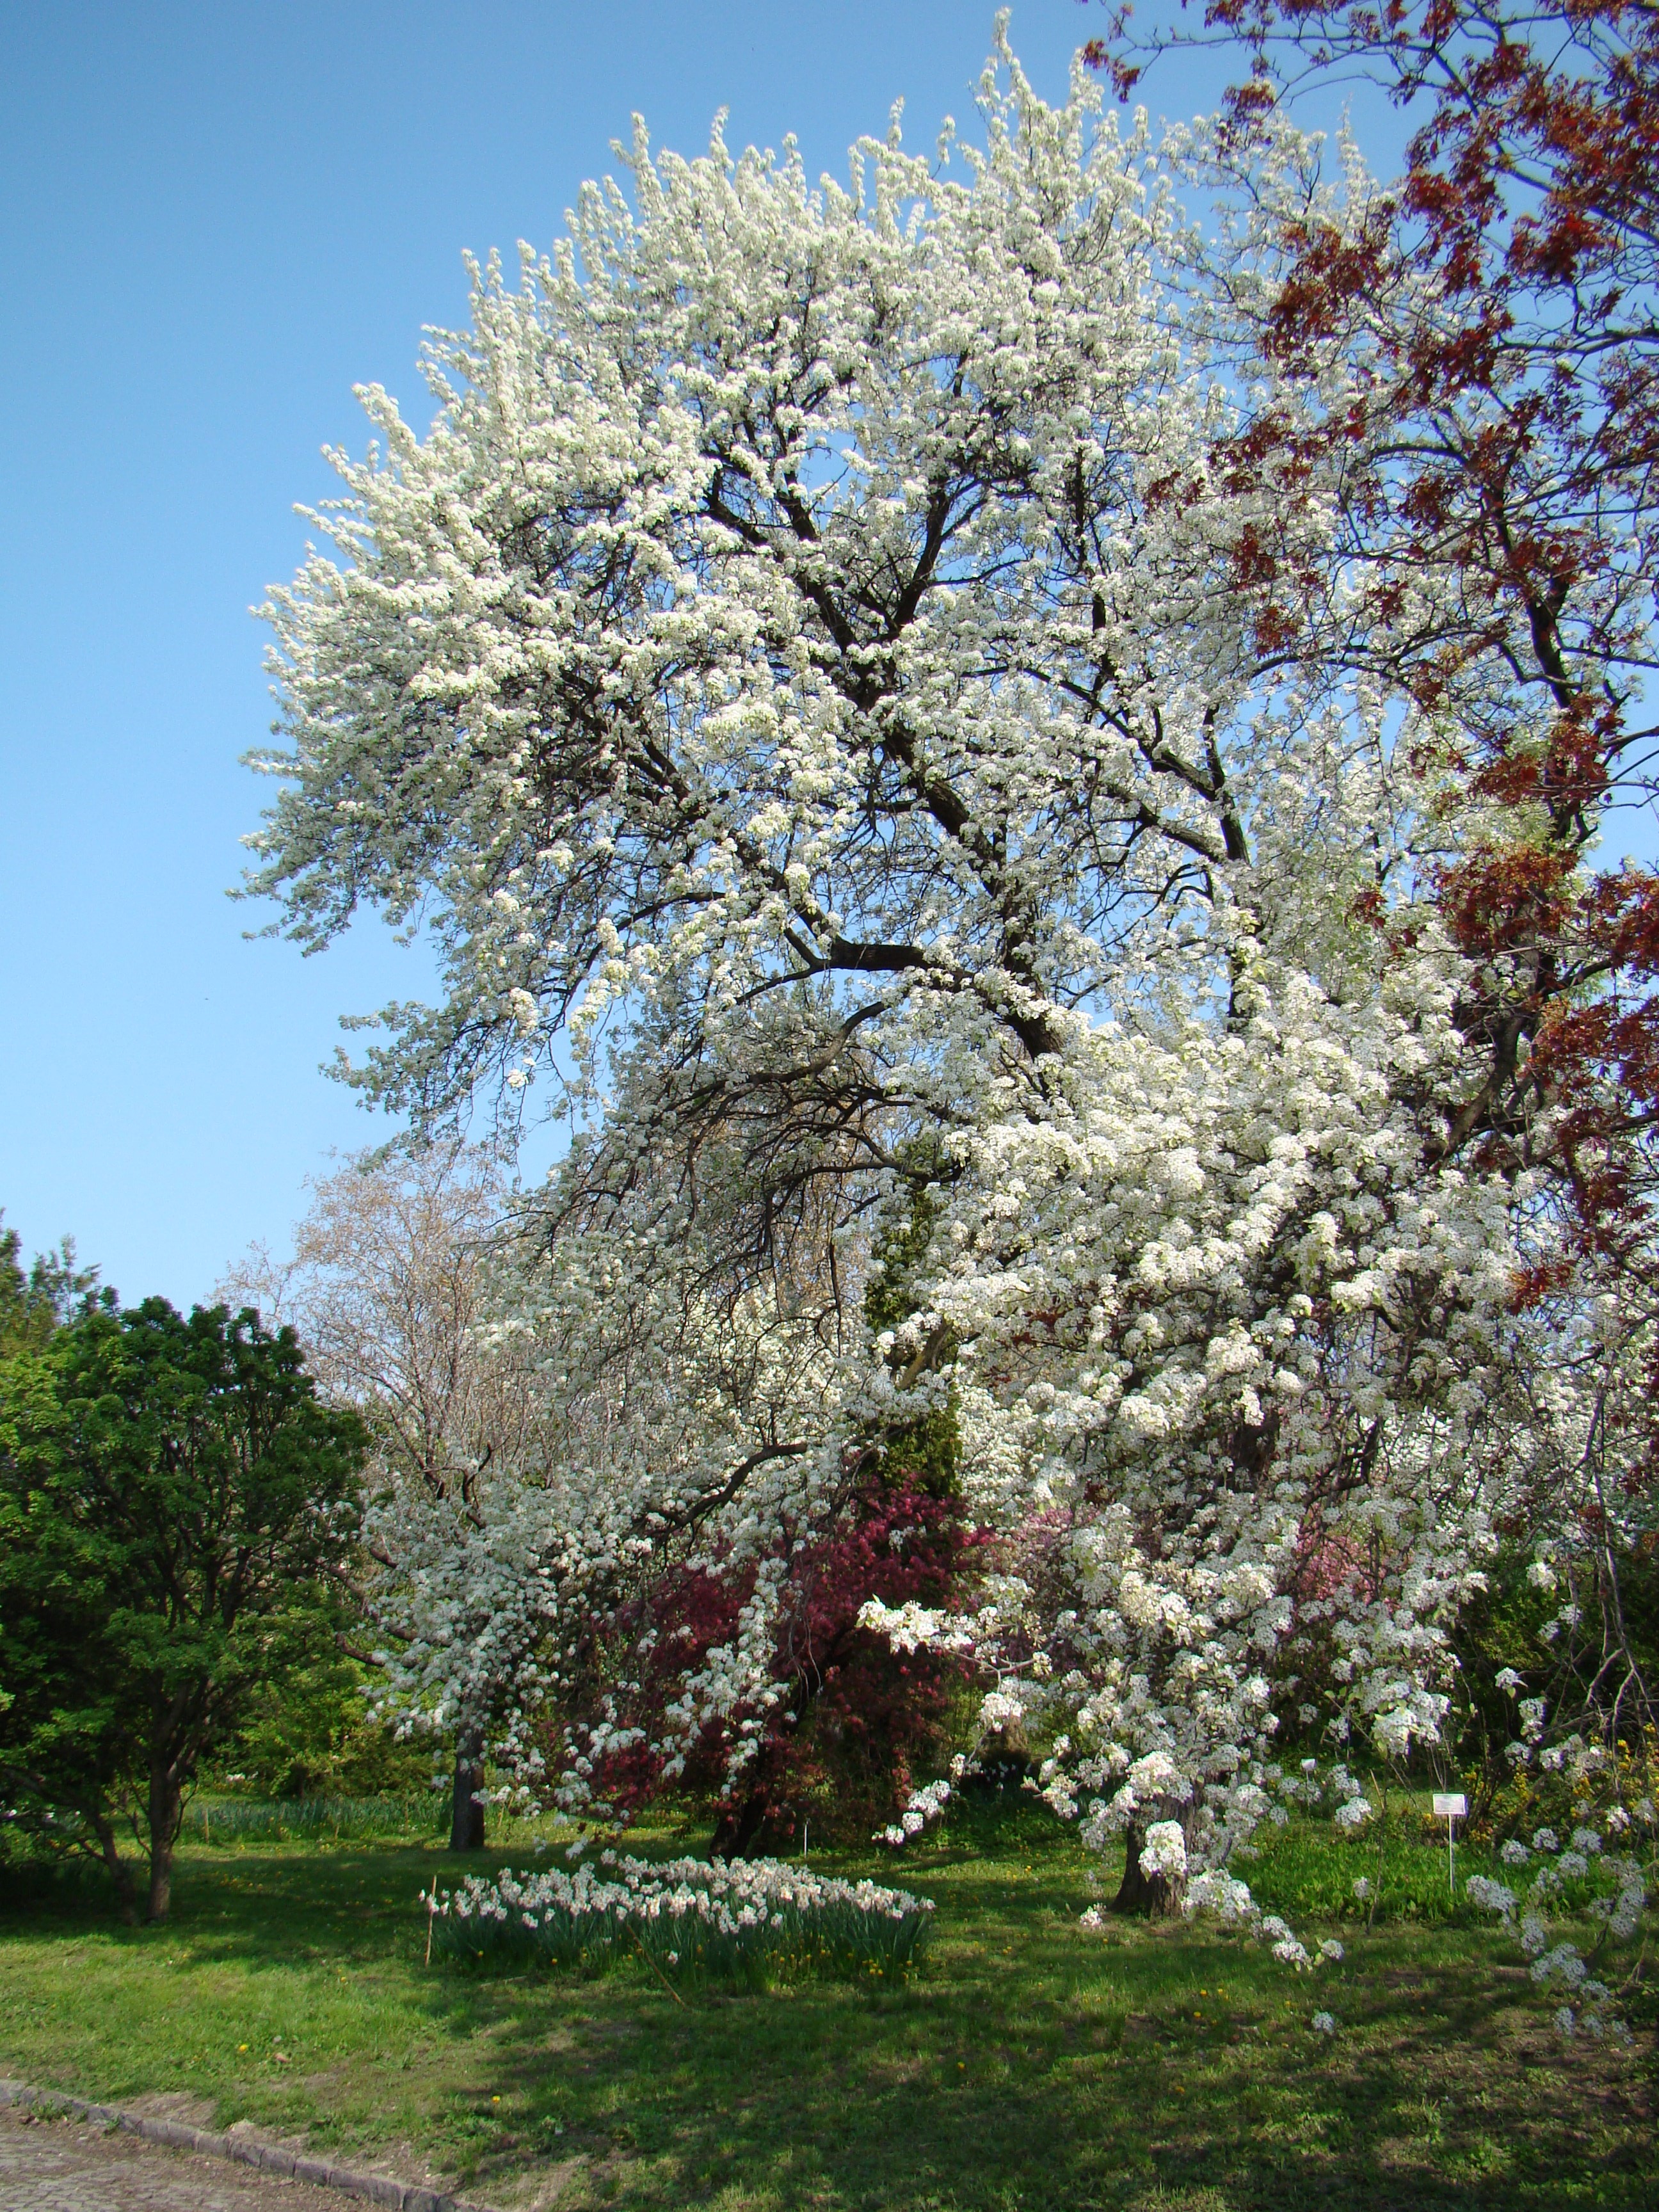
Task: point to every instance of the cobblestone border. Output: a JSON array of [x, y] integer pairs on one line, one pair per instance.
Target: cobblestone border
[[243, 2150]]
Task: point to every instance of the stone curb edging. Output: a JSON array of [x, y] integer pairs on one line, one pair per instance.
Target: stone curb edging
[[268, 2158]]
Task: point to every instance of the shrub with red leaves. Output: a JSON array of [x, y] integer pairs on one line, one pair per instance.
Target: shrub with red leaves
[[849, 1719]]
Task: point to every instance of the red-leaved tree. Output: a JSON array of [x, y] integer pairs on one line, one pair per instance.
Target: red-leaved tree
[[846, 1720]]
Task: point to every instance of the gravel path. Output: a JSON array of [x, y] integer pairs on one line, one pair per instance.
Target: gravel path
[[69, 2165]]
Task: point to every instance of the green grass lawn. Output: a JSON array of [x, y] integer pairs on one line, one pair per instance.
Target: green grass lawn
[[1028, 2067]]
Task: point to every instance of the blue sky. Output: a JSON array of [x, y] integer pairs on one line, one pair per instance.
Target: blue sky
[[215, 219]]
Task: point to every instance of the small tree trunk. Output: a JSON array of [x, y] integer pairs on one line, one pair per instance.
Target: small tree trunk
[[165, 1799], [739, 1827], [466, 1818], [126, 1890], [1154, 1896]]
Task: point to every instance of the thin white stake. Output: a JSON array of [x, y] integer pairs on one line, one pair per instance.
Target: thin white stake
[[1454, 1804]]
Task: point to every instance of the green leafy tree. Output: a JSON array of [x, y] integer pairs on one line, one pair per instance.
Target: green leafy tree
[[309, 1729], [34, 1306], [171, 1491]]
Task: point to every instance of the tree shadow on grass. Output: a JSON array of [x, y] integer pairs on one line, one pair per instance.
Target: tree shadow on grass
[[1056, 2088], [1027, 2066]]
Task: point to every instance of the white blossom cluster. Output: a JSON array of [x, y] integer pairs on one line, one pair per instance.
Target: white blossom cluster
[[685, 1915], [730, 1894], [1620, 1882], [920, 1806]]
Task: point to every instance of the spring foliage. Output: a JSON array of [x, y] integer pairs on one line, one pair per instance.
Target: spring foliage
[[846, 678], [174, 1502]]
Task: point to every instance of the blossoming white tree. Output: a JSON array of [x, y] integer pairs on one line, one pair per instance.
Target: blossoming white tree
[[389, 1286], [821, 671]]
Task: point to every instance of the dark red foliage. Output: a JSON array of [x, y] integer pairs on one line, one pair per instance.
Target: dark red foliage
[[841, 1743]]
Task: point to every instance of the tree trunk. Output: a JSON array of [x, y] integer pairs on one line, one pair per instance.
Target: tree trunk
[[126, 1890], [738, 1829], [165, 1799], [466, 1818], [1154, 1896]]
